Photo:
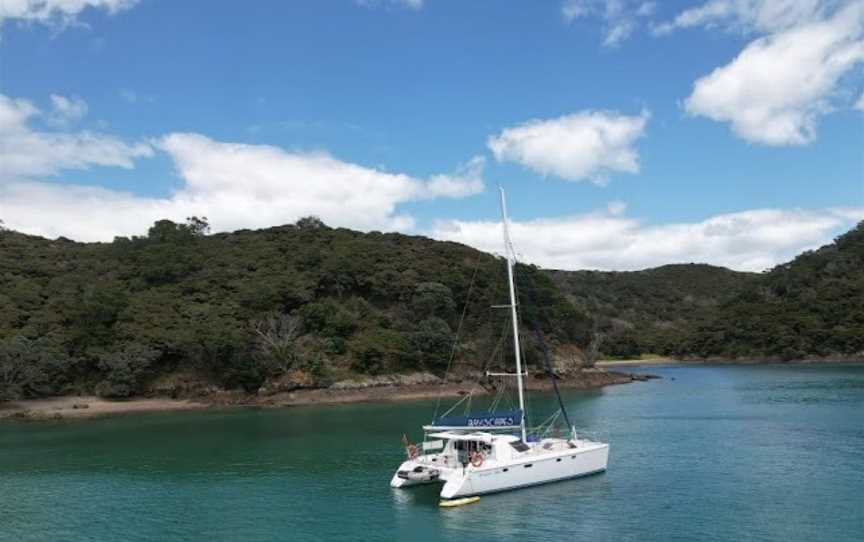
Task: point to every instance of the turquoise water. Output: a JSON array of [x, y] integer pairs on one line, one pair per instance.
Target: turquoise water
[[707, 453]]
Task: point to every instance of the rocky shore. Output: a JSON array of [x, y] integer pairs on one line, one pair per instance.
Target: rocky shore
[[293, 391]]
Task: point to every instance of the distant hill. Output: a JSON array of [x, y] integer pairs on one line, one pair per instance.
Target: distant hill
[[811, 307], [316, 303], [650, 311]]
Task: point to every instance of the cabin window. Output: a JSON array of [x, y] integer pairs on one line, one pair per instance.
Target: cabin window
[[519, 446], [505, 470], [558, 460], [529, 465], [472, 446]]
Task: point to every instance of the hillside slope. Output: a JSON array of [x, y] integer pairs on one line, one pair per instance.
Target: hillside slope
[[236, 310], [650, 311], [239, 308], [812, 306]]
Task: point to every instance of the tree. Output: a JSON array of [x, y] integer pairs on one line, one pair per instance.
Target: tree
[[433, 299], [198, 227], [379, 351], [275, 338], [433, 342], [29, 367], [125, 370], [310, 223], [592, 351], [15, 363]]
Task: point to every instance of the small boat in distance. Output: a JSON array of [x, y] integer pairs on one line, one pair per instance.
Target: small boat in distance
[[488, 452]]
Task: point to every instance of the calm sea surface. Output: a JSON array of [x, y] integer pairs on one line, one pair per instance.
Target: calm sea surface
[[707, 453]]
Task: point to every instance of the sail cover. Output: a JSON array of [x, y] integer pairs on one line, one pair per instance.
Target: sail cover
[[491, 420]]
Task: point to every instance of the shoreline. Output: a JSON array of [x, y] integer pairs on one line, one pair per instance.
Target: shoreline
[[77, 407], [660, 361], [88, 407]]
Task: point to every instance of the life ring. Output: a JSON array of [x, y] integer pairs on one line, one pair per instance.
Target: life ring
[[477, 459], [413, 452]]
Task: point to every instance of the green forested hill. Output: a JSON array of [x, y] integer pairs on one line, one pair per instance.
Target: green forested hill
[[237, 309], [242, 307], [650, 311], [812, 306]]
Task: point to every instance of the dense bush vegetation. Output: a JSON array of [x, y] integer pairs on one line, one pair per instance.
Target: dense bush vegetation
[[650, 311], [810, 307], [237, 309]]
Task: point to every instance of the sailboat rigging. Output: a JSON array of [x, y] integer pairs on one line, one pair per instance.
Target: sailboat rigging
[[479, 453]]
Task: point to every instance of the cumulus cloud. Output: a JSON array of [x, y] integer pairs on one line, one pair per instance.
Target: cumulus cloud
[[620, 17], [752, 240], [241, 185], [859, 105], [56, 11], [236, 185], [583, 145], [27, 152], [777, 88]]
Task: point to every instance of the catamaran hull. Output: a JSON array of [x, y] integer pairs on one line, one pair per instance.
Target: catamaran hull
[[528, 473], [469, 481]]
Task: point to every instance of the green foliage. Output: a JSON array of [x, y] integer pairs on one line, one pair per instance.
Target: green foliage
[[811, 306], [380, 351], [652, 311], [432, 299], [433, 343], [113, 316], [125, 370], [29, 368], [328, 319]]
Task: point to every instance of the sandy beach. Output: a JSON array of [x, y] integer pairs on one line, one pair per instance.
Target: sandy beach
[[78, 407]]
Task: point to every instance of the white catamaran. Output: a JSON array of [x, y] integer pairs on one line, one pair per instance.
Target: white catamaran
[[486, 452]]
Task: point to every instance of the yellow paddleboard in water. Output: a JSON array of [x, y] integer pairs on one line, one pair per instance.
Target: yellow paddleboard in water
[[458, 502]]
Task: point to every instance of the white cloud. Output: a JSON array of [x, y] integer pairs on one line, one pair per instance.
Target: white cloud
[[240, 185], [646, 9], [583, 145], [26, 152], [620, 17], [65, 110], [467, 181], [56, 11], [749, 16], [859, 105], [410, 4], [779, 85], [751, 240], [236, 185]]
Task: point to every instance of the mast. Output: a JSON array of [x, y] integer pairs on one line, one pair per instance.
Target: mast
[[511, 259]]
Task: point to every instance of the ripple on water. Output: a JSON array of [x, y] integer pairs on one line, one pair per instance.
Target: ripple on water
[[718, 453]]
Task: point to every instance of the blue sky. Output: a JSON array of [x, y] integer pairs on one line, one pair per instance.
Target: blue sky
[[627, 133]]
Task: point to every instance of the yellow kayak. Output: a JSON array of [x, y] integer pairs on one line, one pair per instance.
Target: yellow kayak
[[458, 502]]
